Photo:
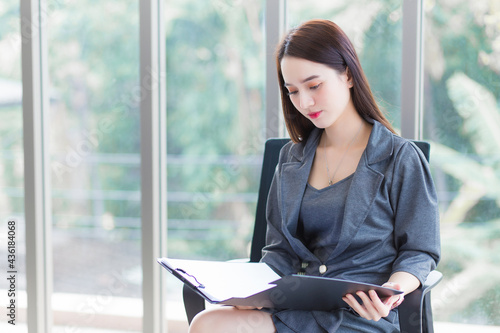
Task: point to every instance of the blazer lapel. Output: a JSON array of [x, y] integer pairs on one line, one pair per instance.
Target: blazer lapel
[[364, 188], [365, 185], [295, 175]]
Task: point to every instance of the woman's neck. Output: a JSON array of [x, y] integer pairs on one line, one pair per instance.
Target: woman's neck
[[350, 126]]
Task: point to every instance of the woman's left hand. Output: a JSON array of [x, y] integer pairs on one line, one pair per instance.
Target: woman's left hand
[[373, 308]]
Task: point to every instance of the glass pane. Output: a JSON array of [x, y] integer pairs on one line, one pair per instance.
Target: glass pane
[[12, 242], [215, 128], [93, 63], [215, 125], [374, 28], [462, 122]]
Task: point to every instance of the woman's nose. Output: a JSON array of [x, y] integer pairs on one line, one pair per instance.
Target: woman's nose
[[306, 100]]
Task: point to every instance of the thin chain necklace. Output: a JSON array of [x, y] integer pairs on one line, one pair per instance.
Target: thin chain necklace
[[330, 180]]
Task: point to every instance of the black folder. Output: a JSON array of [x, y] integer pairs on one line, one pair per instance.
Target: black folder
[[256, 284]]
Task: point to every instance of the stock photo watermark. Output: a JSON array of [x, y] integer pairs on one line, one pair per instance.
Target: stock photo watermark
[[94, 305], [31, 29], [11, 271]]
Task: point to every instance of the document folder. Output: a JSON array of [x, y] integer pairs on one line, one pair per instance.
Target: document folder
[[256, 284]]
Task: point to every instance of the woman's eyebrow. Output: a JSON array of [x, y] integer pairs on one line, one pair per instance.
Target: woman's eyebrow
[[312, 77]]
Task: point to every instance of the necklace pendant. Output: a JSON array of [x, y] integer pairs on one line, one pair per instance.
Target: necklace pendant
[[330, 183]]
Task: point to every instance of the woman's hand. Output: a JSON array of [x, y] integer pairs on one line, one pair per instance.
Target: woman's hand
[[373, 308], [246, 307]]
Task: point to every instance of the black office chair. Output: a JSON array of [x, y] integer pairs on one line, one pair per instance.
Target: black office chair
[[415, 313]]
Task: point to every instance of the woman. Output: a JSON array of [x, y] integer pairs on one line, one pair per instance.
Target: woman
[[349, 199]]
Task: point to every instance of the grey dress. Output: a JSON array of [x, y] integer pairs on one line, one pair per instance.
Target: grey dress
[[390, 223]]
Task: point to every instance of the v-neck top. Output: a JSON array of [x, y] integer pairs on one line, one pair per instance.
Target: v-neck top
[[321, 216]]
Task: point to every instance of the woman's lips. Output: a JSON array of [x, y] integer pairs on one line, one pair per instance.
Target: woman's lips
[[314, 115]]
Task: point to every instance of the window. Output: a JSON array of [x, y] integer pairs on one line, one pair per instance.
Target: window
[[215, 124], [215, 129], [93, 59], [462, 121]]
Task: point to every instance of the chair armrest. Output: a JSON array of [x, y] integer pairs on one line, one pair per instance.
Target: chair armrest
[[415, 315], [432, 280]]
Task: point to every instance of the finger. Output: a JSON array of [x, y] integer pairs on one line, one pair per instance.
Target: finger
[[350, 300], [354, 304], [398, 302], [393, 300], [381, 308], [372, 311], [246, 307], [389, 301], [377, 301]]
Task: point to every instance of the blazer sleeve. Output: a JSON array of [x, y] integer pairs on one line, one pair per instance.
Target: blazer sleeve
[[416, 224], [277, 252]]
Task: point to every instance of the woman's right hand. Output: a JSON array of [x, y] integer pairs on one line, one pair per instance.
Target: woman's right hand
[[247, 307]]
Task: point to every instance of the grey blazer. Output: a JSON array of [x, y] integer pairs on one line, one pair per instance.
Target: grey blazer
[[391, 220]]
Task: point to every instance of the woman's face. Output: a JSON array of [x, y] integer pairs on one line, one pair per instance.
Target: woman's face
[[317, 91]]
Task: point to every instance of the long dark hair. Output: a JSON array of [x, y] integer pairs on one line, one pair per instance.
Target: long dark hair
[[323, 41]]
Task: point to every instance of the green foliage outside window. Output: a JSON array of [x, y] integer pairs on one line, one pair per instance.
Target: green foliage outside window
[[462, 121]]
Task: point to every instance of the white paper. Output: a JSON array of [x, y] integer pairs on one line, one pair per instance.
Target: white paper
[[225, 280]]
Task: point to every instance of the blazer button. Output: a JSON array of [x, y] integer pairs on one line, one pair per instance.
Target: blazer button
[[322, 269]]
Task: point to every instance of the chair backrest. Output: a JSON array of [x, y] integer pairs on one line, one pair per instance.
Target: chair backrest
[[425, 147], [415, 314], [271, 154]]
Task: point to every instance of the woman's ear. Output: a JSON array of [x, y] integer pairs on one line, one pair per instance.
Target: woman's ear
[[349, 77]]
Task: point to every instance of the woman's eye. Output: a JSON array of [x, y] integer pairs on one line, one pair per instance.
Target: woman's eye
[[292, 92], [315, 87]]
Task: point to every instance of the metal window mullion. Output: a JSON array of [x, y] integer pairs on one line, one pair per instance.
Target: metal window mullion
[[153, 167], [274, 29], [412, 70], [36, 168]]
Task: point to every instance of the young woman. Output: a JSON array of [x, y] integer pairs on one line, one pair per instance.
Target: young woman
[[350, 199]]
